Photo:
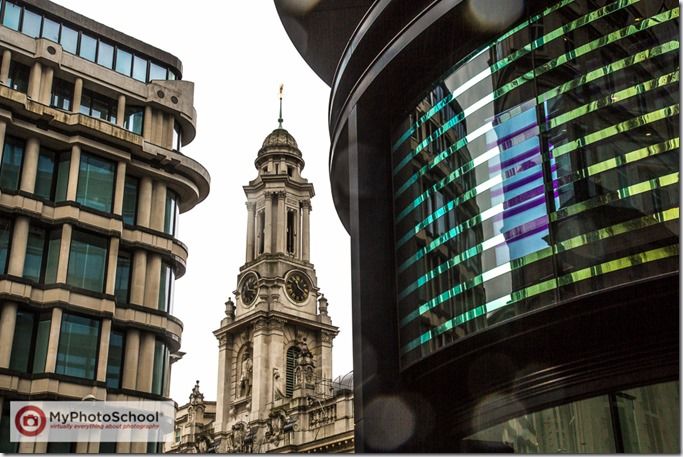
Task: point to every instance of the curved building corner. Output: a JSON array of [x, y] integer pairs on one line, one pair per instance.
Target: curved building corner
[[510, 181]]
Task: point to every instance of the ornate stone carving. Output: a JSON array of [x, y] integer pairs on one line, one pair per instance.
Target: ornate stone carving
[[277, 324], [277, 420], [305, 368], [326, 337], [260, 324], [278, 392], [322, 305], [246, 374], [306, 204], [230, 309]]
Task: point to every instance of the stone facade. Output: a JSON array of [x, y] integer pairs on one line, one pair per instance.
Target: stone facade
[[275, 387]]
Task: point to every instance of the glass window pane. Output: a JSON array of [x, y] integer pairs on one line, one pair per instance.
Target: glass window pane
[[18, 76], [165, 299], [171, 215], [62, 94], [69, 39], [124, 61], [171, 75], [156, 71], [649, 418], [45, 174], [52, 259], [177, 136], [78, 343], [51, 30], [140, 68], [31, 24], [159, 369], [134, 119], [21, 344], [105, 54], [5, 233], [12, 15], [123, 271], [115, 360], [34, 253], [87, 261], [130, 200], [96, 183], [86, 103], [10, 168], [40, 350], [88, 47], [62, 177]]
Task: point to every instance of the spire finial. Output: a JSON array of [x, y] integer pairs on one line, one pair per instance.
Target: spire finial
[[279, 120]]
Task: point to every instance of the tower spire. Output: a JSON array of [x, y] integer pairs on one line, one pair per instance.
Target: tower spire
[[279, 119]]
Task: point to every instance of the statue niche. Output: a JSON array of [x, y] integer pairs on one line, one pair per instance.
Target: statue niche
[[246, 372]]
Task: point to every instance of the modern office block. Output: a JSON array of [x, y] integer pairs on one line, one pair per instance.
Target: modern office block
[[509, 175], [92, 181]]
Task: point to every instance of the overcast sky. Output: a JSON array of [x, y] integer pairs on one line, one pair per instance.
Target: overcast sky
[[237, 54]]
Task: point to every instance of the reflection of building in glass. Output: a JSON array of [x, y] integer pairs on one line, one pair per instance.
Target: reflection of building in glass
[[509, 180], [92, 182]]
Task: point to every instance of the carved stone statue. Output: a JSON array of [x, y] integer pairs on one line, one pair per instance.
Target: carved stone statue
[[305, 368], [278, 393], [322, 305], [247, 373], [230, 309]]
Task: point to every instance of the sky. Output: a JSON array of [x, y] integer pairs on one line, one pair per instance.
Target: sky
[[237, 54]]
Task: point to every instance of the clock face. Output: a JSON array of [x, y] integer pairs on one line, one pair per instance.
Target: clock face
[[249, 289], [297, 286]]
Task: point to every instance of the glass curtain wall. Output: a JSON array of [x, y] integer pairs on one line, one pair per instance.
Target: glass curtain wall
[[542, 167]]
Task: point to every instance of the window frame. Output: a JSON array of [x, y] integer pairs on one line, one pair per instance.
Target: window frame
[[98, 339]]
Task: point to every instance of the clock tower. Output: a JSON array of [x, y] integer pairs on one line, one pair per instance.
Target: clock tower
[[275, 342]]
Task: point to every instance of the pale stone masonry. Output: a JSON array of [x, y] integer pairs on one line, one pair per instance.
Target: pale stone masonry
[[92, 180]]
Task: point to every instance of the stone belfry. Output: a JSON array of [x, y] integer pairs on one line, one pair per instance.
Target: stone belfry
[[275, 343]]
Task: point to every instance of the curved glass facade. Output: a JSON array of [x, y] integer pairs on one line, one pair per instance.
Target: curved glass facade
[[542, 167]]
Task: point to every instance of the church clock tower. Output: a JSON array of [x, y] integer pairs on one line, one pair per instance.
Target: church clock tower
[[275, 343]]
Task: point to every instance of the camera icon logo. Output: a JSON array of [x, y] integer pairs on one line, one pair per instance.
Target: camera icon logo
[[30, 420]]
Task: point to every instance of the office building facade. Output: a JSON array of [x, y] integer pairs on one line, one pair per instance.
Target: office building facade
[[509, 175], [92, 181]]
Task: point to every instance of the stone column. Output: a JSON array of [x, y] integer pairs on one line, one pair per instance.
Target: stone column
[[305, 230], [326, 354], [4, 67], [3, 129], [262, 378], [146, 362], [138, 276], [283, 166], [78, 95], [130, 362], [158, 128], [17, 255], [268, 242], [34, 79], [225, 374], [30, 165], [74, 167], [147, 124], [120, 187], [121, 110], [281, 226], [158, 213], [152, 280], [53, 341], [144, 201], [167, 131], [64, 248], [103, 355], [110, 284], [251, 207], [276, 354], [8, 320], [46, 86]]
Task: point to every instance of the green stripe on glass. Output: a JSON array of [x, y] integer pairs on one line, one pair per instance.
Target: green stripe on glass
[[571, 278], [444, 101], [588, 18], [554, 63], [577, 208]]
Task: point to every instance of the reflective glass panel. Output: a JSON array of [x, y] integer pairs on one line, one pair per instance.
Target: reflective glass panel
[[12, 16], [96, 183], [69, 39], [139, 68], [124, 61], [105, 54], [123, 272], [10, 167], [134, 119], [159, 368], [78, 342], [50, 30], [88, 47], [35, 246], [31, 24], [87, 261], [115, 360], [156, 71], [130, 200], [22, 342], [45, 174]]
